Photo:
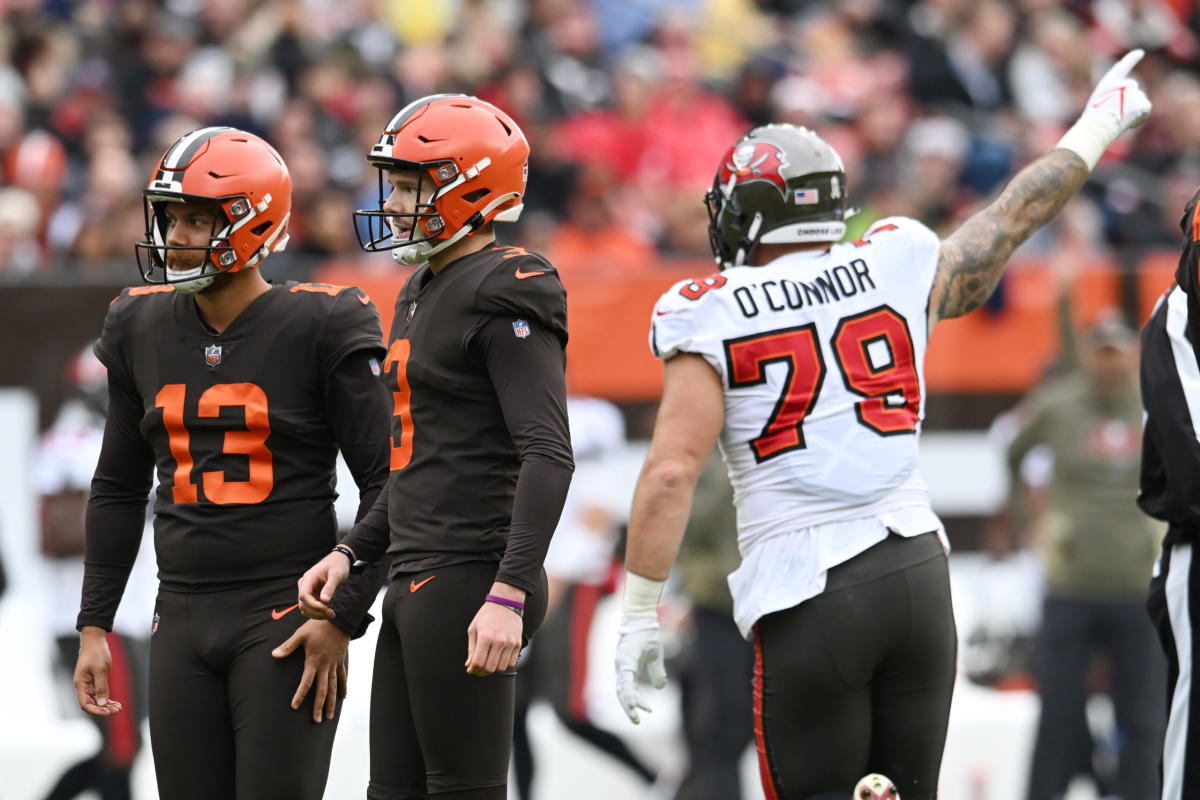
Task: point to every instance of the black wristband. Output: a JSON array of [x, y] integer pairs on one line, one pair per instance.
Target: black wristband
[[346, 551]]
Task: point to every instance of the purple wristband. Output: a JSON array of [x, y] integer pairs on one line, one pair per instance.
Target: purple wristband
[[515, 605]]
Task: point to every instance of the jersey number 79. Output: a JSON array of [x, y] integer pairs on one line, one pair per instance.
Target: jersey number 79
[[891, 390]]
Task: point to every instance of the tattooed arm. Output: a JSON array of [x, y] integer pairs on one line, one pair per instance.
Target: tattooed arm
[[972, 258]]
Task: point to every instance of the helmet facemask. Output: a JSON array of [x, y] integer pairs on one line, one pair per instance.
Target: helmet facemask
[[216, 257], [385, 230]]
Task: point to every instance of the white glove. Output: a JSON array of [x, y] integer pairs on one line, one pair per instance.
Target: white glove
[[1116, 105], [639, 645]]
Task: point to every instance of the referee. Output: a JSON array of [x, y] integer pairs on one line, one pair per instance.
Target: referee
[[1170, 491]]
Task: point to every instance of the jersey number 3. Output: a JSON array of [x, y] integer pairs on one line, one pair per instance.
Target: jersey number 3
[[251, 442], [401, 404], [875, 355]]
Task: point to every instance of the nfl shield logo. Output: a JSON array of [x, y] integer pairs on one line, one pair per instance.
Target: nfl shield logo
[[376, 370], [521, 328], [154, 624], [412, 309], [212, 355]]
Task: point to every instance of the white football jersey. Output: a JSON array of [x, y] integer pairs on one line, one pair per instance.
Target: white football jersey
[[820, 355]]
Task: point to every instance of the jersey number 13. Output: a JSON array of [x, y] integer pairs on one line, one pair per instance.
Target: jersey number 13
[[250, 442]]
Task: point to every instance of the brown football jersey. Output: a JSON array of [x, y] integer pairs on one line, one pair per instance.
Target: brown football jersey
[[237, 423], [454, 459]]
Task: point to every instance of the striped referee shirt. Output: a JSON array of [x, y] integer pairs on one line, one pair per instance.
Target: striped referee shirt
[[1170, 376]]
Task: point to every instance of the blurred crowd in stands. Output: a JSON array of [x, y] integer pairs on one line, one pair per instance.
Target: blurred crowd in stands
[[628, 104]]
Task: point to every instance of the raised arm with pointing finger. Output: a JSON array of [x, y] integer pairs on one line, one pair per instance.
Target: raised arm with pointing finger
[[972, 258], [804, 358]]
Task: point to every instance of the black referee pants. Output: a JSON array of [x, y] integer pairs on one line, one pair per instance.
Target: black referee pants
[[1173, 603]]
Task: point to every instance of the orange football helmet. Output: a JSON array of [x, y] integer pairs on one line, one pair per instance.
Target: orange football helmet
[[475, 157], [250, 184]]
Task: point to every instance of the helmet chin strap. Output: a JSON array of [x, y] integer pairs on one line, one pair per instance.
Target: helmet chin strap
[[412, 254], [197, 284], [419, 252]]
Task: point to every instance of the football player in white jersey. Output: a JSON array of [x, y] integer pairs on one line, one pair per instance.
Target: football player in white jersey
[[803, 358]]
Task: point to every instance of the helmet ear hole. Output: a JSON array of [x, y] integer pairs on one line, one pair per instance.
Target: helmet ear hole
[[477, 195], [261, 228]]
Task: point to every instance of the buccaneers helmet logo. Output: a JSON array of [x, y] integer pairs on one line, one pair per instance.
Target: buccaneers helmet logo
[[754, 161]]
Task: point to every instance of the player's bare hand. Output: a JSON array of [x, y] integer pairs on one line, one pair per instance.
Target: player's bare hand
[[91, 674], [493, 640], [325, 646], [639, 647], [318, 585]]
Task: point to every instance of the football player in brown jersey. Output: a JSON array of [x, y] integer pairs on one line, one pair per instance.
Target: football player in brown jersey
[[480, 452], [240, 394]]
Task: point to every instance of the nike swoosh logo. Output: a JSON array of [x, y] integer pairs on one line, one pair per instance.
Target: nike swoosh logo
[[413, 585], [659, 312], [281, 614], [362, 298], [1120, 92], [523, 275]]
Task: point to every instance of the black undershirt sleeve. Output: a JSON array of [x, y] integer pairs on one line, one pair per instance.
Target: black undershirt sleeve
[[116, 509], [529, 378], [358, 408], [370, 536]]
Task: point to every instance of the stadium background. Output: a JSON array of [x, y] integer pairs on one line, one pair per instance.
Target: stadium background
[[628, 105]]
